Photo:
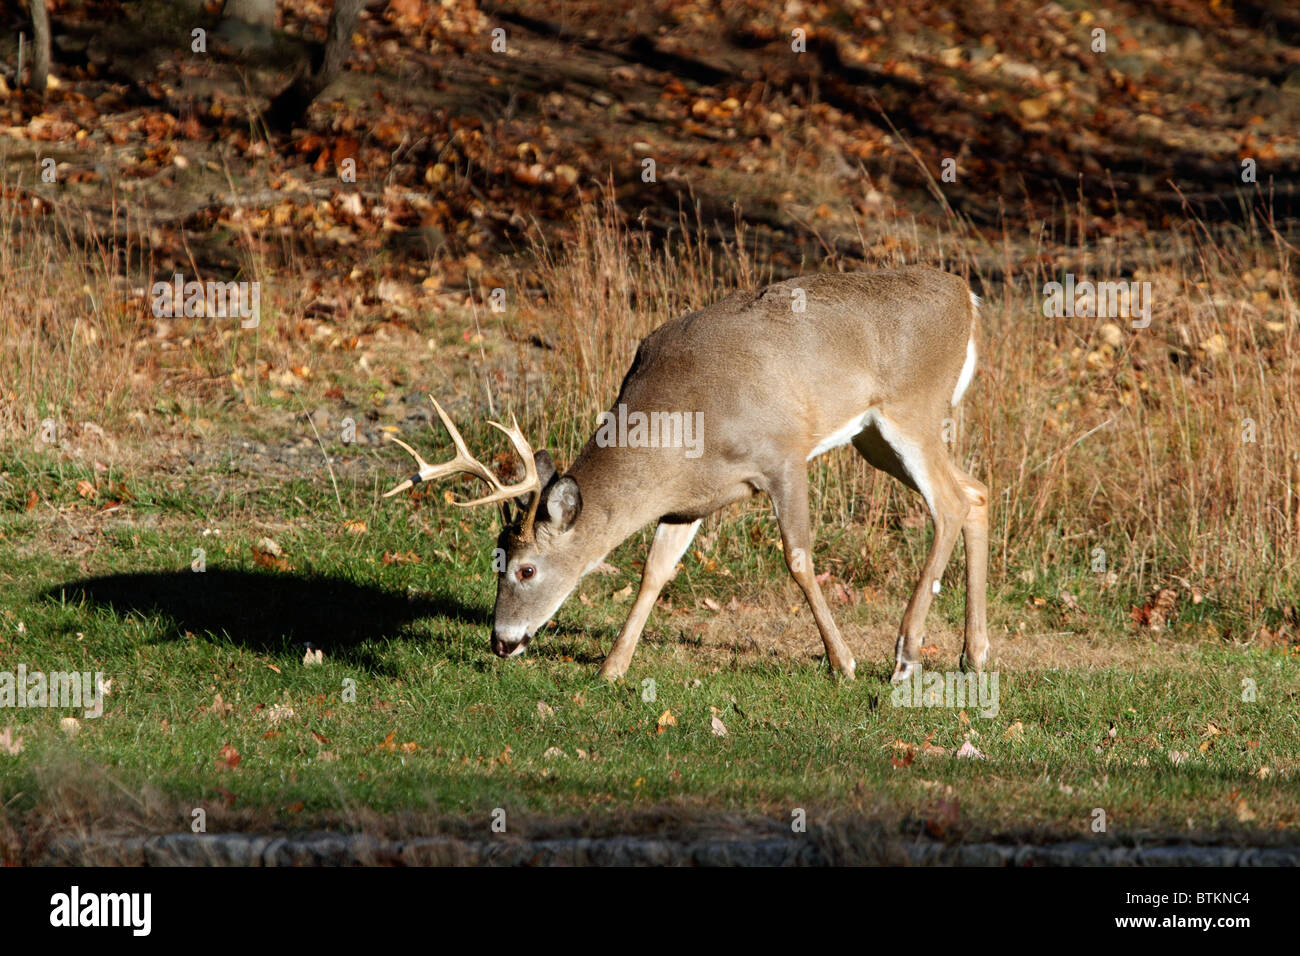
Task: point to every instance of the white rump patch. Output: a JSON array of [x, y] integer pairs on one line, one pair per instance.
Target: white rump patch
[[841, 436], [967, 372], [967, 369], [908, 453]]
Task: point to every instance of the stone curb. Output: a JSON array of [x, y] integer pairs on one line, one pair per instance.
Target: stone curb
[[360, 850]]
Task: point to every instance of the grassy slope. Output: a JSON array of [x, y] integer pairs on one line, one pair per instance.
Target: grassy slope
[[439, 726]]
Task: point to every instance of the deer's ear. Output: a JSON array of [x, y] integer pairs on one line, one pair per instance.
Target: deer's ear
[[563, 504]]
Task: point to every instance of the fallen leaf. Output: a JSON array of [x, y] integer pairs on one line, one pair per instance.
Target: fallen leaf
[[1156, 611], [228, 758], [268, 554], [968, 751], [1035, 108], [906, 759], [931, 748], [218, 708]]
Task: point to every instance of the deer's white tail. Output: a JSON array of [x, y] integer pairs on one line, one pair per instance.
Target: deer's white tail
[[968, 368]]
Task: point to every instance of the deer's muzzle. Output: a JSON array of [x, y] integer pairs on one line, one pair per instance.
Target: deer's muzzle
[[509, 646]]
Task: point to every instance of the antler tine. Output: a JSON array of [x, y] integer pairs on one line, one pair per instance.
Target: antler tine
[[452, 430], [530, 482], [418, 476], [465, 463]]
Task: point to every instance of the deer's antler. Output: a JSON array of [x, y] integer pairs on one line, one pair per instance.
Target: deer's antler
[[466, 464]]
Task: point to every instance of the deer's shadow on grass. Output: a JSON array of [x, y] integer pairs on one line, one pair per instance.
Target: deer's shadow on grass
[[268, 612]]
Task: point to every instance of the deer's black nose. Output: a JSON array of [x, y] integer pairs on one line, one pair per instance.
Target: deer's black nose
[[507, 646]]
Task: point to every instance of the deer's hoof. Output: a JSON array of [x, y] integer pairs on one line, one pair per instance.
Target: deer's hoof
[[903, 671], [973, 662]]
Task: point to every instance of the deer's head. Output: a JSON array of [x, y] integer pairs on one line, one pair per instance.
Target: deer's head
[[538, 559]]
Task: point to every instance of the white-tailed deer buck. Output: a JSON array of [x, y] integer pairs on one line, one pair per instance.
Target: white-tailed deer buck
[[876, 359]]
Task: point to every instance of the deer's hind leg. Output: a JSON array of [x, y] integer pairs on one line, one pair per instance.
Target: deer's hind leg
[[915, 455], [975, 532]]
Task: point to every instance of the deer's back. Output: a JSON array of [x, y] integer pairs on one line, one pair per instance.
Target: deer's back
[[862, 339]]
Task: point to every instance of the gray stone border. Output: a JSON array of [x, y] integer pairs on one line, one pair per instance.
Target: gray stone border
[[328, 849]]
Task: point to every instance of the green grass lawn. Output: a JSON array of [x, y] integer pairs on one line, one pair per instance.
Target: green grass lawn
[[211, 704]]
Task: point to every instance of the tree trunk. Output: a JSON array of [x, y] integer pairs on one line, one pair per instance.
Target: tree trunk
[[289, 106], [41, 53]]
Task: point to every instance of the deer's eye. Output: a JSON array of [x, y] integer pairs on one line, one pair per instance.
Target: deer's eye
[[525, 572]]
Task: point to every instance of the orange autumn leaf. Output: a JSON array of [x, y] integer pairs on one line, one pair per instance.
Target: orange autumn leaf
[[228, 757]]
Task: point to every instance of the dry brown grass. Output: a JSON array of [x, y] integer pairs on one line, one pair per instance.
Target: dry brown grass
[[1092, 435], [66, 339]]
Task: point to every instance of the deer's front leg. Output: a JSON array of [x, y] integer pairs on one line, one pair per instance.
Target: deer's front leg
[[669, 544], [790, 499]]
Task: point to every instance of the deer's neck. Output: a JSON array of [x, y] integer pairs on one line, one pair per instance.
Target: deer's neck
[[618, 496]]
